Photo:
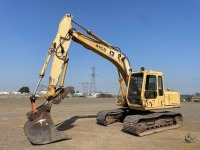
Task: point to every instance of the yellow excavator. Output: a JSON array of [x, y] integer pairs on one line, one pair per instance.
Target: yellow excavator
[[142, 92]]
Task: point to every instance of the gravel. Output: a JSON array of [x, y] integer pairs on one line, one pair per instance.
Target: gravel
[[76, 118]]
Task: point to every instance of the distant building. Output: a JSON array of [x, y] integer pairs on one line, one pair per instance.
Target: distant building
[[2, 92], [93, 95], [17, 93], [196, 98], [78, 95], [43, 92]]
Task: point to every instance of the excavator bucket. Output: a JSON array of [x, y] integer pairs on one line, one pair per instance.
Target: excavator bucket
[[40, 128]]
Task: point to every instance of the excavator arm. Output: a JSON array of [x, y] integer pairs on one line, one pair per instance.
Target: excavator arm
[[40, 128], [106, 51], [59, 51]]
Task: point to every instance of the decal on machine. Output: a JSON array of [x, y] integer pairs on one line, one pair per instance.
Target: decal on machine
[[101, 47], [41, 120]]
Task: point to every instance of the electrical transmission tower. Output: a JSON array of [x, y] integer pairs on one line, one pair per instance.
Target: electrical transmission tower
[[85, 86], [93, 86]]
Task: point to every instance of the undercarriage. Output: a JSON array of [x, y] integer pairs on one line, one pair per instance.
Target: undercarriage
[[140, 123]]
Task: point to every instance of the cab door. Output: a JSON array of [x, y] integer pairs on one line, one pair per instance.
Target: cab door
[[151, 89], [135, 88]]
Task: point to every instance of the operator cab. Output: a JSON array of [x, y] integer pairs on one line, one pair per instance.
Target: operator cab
[[145, 86]]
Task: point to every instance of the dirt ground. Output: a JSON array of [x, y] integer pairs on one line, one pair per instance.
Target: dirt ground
[[76, 117]]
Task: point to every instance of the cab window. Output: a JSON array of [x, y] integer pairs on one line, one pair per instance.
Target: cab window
[[151, 87], [160, 86], [135, 87]]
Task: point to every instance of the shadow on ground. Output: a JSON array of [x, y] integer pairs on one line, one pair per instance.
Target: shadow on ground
[[68, 124]]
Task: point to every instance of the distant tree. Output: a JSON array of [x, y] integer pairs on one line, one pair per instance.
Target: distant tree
[[186, 97], [24, 89], [197, 94], [72, 92]]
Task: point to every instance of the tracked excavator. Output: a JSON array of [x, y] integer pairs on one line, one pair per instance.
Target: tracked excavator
[[142, 99]]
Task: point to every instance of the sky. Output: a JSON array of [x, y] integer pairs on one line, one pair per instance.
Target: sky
[[155, 34]]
